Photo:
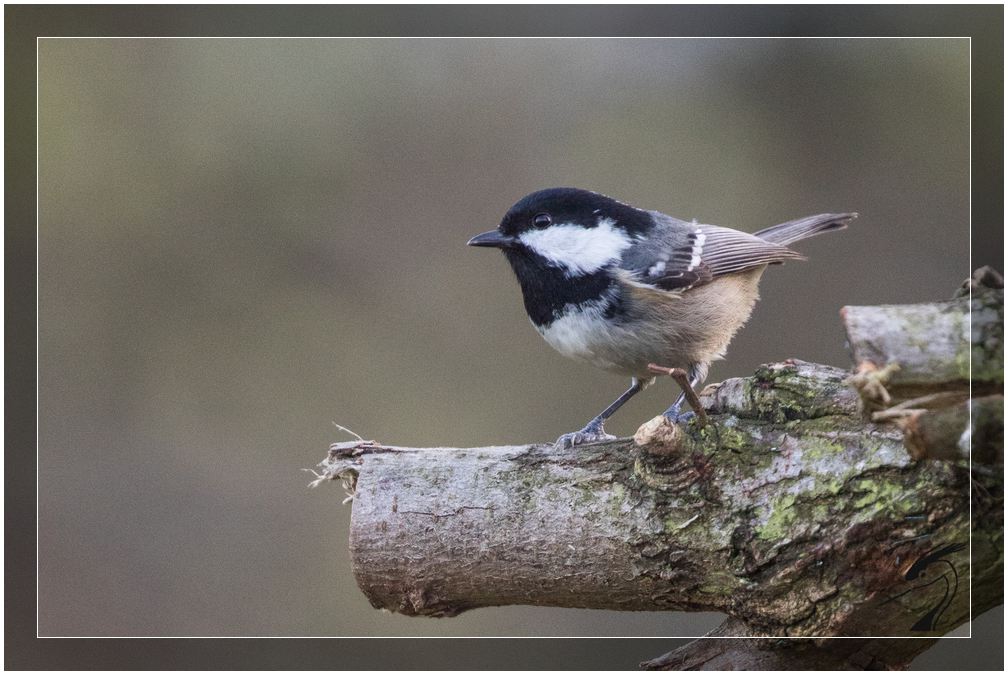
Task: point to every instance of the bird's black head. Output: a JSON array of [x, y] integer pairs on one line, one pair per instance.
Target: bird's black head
[[575, 231], [561, 244]]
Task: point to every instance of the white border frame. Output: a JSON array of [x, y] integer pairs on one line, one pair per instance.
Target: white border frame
[[38, 39]]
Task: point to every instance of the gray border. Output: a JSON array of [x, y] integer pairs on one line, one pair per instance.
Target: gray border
[[24, 23]]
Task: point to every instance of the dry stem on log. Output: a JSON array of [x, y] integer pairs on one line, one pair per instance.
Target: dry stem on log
[[790, 512]]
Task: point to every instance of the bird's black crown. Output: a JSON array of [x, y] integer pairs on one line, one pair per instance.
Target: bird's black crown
[[571, 205]]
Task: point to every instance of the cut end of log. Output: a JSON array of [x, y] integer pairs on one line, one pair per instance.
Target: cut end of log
[[659, 436]]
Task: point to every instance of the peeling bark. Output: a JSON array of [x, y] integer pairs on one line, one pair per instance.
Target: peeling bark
[[790, 511]]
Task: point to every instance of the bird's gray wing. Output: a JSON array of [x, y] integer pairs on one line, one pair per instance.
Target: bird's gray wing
[[678, 255]]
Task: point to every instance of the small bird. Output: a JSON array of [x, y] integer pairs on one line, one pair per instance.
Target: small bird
[[623, 288]]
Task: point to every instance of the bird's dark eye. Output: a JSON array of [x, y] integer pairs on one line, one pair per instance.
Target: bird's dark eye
[[542, 220]]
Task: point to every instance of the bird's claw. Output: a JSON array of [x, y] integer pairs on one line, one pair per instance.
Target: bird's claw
[[590, 434], [675, 417]]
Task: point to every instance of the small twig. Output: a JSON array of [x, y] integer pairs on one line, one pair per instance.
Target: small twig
[[350, 448], [870, 382], [941, 399], [680, 376], [319, 477], [352, 433], [896, 413]]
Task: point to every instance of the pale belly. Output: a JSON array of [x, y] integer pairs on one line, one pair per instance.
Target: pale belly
[[668, 329]]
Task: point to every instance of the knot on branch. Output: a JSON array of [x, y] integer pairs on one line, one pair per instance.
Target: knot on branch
[[659, 435]]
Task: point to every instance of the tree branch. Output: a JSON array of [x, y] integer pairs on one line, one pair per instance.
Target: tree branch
[[790, 511]]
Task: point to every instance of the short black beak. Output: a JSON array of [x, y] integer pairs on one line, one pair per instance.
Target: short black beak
[[492, 238]]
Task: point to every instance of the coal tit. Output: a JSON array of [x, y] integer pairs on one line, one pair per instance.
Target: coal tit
[[621, 288]]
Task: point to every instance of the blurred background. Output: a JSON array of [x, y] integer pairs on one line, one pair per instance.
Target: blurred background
[[242, 241]]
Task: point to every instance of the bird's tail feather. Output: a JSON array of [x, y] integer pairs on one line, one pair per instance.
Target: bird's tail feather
[[803, 228]]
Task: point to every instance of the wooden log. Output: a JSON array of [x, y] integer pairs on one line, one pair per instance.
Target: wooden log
[[792, 511], [801, 527]]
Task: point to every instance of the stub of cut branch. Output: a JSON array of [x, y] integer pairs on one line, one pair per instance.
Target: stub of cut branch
[[972, 428], [956, 345]]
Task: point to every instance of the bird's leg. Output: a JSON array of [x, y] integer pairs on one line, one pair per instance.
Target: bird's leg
[[594, 431], [688, 383]]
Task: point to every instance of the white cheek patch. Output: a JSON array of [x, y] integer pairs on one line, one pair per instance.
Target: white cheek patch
[[581, 250]]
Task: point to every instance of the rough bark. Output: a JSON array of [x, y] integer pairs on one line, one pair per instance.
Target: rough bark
[[725, 648], [950, 346], [792, 511]]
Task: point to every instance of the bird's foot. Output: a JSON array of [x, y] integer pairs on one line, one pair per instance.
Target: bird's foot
[[592, 433], [675, 416]]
